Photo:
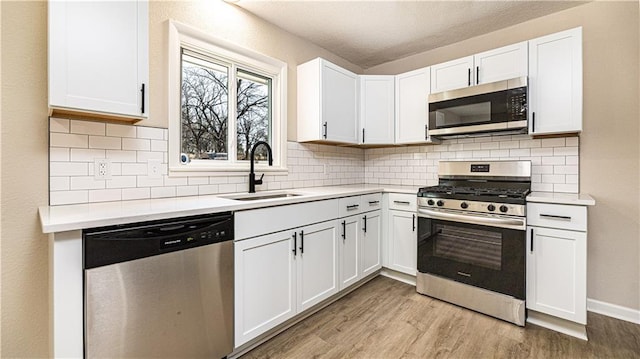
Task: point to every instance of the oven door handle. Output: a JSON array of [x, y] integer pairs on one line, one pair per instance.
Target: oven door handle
[[511, 223]]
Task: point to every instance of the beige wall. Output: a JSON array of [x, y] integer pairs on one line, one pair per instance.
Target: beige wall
[[24, 266], [609, 144]]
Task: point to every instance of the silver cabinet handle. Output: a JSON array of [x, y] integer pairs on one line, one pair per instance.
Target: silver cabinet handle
[[553, 216]]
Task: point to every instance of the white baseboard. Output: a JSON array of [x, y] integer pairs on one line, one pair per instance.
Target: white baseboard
[[614, 311]]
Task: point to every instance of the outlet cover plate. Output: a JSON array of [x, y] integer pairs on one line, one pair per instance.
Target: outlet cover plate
[[102, 169], [153, 168]]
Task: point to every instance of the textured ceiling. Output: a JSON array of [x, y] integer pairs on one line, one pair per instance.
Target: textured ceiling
[[369, 33]]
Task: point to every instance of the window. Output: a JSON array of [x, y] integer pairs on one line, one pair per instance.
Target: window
[[223, 100]]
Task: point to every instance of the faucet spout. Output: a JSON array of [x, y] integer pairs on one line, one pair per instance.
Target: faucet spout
[[252, 176]]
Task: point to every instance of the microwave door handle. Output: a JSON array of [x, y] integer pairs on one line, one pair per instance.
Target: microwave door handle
[[474, 219]]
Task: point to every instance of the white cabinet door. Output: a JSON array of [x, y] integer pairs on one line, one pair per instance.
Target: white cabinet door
[[264, 284], [371, 243], [501, 64], [452, 74], [412, 108], [555, 83], [98, 56], [349, 242], [317, 264], [402, 241], [557, 273], [377, 109], [327, 103]]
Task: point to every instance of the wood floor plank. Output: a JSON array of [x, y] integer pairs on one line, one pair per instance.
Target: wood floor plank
[[388, 319]]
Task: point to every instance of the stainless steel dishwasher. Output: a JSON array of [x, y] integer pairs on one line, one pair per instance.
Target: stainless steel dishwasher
[[161, 289]]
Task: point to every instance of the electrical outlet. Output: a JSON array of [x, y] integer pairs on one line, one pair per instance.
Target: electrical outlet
[[102, 169], [153, 168]]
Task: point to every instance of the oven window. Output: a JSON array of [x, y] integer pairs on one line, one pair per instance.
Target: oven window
[[466, 245], [464, 115]]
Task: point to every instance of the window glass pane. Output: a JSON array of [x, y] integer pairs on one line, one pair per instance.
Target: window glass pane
[[204, 108], [253, 122]]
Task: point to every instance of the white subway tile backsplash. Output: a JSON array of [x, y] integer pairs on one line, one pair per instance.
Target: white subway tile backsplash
[[136, 144], [87, 128], [58, 154], [151, 133], [58, 125], [103, 142], [105, 195], [115, 130], [555, 164], [135, 193], [68, 140], [68, 197], [565, 188], [68, 169], [83, 182], [86, 155]]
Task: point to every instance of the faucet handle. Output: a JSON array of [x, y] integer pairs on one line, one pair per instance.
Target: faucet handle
[[259, 181]]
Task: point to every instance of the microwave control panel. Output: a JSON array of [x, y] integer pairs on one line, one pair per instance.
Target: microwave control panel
[[517, 104]]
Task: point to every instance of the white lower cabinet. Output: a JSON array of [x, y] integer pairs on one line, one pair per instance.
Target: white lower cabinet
[[557, 267], [265, 291], [360, 248], [556, 273], [402, 242], [282, 274], [317, 264]]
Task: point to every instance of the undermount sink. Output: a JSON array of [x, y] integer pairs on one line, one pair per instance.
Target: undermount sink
[[260, 196]]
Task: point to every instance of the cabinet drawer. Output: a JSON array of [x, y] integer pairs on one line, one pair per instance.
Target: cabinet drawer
[[403, 202], [371, 202], [349, 206], [557, 216]]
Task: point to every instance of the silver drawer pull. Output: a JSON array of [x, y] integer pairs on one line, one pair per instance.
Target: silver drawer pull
[[553, 216], [464, 274], [353, 206], [402, 202], [371, 203]]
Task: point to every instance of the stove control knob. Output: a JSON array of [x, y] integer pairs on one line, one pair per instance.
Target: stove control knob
[[440, 203], [430, 202], [491, 207], [464, 205], [503, 208]]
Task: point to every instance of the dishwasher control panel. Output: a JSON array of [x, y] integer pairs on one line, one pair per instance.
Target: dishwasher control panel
[[119, 243]]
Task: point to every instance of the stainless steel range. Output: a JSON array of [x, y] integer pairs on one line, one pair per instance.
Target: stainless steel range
[[471, 236]]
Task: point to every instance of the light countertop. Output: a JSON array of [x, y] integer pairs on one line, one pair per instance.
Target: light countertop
[[576, 199], [80, 216]]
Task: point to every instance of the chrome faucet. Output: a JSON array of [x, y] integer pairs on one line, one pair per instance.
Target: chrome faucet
[[252, 176]]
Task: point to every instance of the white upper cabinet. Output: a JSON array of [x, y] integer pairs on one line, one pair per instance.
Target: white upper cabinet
[[327, 103], [452, 74], [490, 66], [98, 58], [555, 83], [412, 110], [501, 64], [377, 109]]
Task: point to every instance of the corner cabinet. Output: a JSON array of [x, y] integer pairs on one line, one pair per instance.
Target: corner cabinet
[[98, 58], [555, 83], [412, 108], [557, 265], [494, 65], [327, 103], [377, 109]]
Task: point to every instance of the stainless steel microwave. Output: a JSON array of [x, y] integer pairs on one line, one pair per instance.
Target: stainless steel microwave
[[492, 107]]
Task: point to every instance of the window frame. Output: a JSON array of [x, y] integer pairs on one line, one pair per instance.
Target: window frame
[[184, 36]]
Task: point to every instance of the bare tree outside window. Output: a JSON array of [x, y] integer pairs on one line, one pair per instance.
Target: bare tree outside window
[[254, 117], [204, 109]]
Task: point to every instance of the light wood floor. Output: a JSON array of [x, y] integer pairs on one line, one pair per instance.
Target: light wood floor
[[388, 319]]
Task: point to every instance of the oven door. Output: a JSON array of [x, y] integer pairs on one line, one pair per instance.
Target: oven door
[[477, 252]]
